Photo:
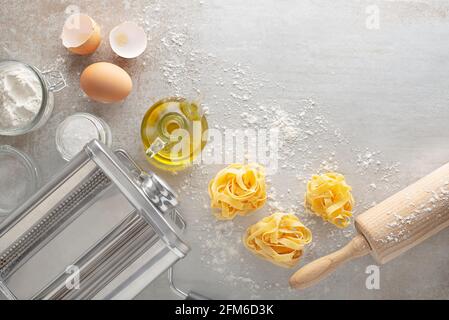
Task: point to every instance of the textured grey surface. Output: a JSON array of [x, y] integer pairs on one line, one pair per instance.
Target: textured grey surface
[[382, 93]]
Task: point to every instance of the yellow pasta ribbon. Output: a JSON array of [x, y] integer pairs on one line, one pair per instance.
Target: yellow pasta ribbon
[[238, 189], [279, 238], [329, 196]]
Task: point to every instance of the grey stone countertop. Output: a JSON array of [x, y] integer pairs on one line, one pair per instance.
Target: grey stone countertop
[[356, 86]]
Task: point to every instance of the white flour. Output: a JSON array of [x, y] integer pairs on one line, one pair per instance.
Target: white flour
[[20, 97], [75, 132]]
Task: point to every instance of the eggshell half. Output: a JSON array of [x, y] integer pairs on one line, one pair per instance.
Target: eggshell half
[[128, 40], [81, 34], [105, 82]]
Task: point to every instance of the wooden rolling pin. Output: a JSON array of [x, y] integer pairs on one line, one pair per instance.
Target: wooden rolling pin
[[389, 228]]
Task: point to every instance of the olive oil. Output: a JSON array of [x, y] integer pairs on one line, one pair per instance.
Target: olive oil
[[174, 132]]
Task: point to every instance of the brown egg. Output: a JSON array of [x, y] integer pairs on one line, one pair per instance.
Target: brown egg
[[105, 82]]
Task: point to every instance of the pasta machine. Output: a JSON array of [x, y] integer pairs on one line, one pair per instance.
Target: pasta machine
[[101, 229]]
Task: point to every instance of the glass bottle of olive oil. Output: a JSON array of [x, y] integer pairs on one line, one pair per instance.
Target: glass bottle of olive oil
[[174, 132]]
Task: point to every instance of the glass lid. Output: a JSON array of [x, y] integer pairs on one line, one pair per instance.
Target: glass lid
[[19, 179]]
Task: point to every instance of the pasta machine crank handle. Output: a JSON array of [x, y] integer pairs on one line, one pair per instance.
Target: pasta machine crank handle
[[190, 295]]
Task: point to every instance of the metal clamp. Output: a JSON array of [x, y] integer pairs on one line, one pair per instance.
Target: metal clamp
[[156, 189], [55, 80]]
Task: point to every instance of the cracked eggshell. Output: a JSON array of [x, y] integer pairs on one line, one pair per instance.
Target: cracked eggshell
[[128, 40], [81, 34]]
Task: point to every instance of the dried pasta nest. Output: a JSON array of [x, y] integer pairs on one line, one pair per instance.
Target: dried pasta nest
[[279, 238], [238, 189], [329, 196]]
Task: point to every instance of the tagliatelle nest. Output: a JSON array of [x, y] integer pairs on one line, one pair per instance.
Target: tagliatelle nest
[[329, 196], [279, 238], [238, 189]]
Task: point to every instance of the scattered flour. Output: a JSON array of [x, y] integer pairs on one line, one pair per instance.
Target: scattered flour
[[308, 143], [402, 225]]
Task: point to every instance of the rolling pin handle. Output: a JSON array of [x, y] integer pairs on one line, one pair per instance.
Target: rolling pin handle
[[321, 268]]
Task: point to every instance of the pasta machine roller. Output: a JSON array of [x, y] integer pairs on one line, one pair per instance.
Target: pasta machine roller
[[391, 227], [101, 229]]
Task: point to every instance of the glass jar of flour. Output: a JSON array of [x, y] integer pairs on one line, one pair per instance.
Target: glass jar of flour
[[26, 96]]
